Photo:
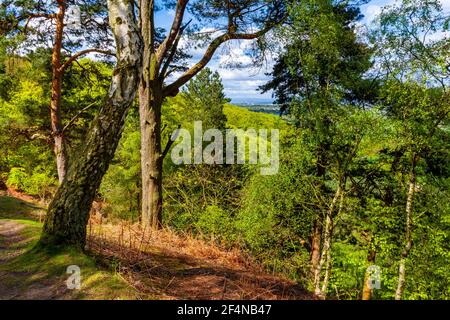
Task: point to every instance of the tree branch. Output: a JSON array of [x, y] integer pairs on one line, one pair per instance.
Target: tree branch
[[168, 145], [173, 51], [81, 53], [77, 116], [171, 89], [174, 30]]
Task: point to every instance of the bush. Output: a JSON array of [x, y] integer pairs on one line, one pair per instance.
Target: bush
[[38, 183], [17, 178]]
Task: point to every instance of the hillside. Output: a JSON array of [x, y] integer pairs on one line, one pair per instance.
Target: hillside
[[122, 262], [243, 118]]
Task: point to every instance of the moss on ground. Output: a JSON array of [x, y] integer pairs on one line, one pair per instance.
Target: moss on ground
[[29, 271]]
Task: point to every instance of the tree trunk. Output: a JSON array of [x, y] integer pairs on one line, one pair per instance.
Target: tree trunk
[[315, 245], [325, 256], [408, 236], [326, 277], [150, 101], [318, 221], [68, 213], [55, 104]]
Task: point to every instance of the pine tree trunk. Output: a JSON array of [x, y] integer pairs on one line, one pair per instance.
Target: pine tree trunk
[[150, 101], [55, 104], [408, 236], [68, 213]]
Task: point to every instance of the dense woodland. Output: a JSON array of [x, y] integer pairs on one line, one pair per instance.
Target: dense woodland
[[364, 172]]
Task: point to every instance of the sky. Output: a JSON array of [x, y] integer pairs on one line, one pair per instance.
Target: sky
[[241, 84]]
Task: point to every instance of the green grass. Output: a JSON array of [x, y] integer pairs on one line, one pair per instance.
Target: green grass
[[13, 208], [35, 267]]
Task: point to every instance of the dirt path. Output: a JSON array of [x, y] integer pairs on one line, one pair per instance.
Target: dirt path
[[13, 244]]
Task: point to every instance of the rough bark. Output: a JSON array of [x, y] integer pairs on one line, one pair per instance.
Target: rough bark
[[68, 213], [408, 236], [151, 157]]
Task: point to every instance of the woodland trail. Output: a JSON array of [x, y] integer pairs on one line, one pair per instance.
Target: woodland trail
[[12, 245]]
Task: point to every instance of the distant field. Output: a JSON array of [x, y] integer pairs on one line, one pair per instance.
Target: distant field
[[261, 107]]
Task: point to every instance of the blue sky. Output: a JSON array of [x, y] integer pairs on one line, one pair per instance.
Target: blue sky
[[241, 84]]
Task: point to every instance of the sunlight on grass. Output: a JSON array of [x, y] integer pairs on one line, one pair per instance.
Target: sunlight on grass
[[29, 266]]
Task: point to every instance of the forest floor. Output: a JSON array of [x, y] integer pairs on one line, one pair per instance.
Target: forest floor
[[124, 262]]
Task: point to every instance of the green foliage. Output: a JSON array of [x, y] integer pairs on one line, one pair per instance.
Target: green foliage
[[344, 128], [120, 187], [37, 183]]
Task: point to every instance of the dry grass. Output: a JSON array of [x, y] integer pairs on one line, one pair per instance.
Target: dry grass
[[166, 265], [173, 266]]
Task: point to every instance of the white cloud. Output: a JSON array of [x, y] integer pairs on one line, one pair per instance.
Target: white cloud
[[371, 12], [445, 4]]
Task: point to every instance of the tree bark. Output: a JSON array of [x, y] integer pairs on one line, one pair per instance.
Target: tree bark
[[68, 213], [55, 104], [151, 156], [326, 277], [408, 236]]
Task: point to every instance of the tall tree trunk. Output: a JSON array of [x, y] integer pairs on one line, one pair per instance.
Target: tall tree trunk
[[316, 235], [408, 236], [55, 104], [68, 213], [150, 101]]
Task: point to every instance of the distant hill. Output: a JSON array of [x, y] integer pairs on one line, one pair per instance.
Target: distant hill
[[266, 107], [243, 117]]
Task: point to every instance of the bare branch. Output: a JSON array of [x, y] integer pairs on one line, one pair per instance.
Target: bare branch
[[81, 53], [168, 145], [173, 51], [174, 30], [77, 116]]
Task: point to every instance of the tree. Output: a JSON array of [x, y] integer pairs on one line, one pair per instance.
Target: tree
[[318, 77], [416, 90], [205, 92], [68, 213], [17, 19], [159, 64]]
